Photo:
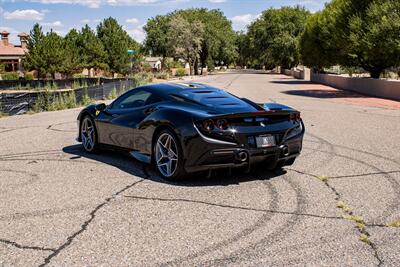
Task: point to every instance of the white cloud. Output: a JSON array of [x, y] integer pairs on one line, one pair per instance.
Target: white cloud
[[132, 21], [241, 21], [88, 3], [88, 21], [27, 14], [98, 3], [136, 33], [217, 1], [56, 24]]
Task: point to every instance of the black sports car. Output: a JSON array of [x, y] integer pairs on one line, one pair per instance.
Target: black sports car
[[183, 128]]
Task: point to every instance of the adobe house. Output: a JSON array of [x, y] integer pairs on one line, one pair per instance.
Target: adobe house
[[11, 55]]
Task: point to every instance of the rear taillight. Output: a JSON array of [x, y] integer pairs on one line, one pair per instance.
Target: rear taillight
[[208, 125], [222, 124], [211, 125], [295, 116]]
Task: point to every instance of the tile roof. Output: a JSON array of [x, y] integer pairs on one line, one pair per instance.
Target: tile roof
[[11, 50]]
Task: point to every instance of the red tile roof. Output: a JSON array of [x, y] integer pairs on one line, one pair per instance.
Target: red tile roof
[[11, 50]]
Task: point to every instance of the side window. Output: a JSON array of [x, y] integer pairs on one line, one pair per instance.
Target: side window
[[135, 99]]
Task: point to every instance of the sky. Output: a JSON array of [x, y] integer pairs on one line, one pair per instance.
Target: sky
[[18, 16]]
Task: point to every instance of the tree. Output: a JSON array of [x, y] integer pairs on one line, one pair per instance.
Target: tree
[[72, 52], [54, 55], [116, 43], [47, 53], [91, 49], [354, 34], [34, 59], [274, 36], [374, 37], [157, 35], [218, 36], [316, 46], [186, 39]]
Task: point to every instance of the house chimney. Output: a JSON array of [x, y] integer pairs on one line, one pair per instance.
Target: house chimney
[[4, 37], [23, 37]]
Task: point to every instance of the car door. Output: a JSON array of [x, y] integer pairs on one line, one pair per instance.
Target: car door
[[117, 123]]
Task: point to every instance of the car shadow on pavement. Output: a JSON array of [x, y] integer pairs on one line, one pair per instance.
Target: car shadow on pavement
[[324, 93], [126, 163]]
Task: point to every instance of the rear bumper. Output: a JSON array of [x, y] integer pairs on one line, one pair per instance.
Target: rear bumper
[[219, 156]]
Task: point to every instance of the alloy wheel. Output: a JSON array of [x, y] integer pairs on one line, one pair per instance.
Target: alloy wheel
[[166, 155], [87, 134]]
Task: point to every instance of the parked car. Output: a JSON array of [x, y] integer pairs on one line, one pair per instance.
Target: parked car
[[184, 128]]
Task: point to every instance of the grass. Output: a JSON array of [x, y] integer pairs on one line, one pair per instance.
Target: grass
[[48, 101], [395, 224], [355, 218], [364, 238], [323, 178], [112, 94]]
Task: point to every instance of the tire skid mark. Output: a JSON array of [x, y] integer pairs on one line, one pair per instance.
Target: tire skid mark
[[278, 234], [33, 177], [263, 220], [87, 223]]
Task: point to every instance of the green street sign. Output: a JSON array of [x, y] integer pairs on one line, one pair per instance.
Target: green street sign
[[131, 52]]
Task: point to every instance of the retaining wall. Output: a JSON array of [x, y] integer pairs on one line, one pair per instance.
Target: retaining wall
[[366, 86]]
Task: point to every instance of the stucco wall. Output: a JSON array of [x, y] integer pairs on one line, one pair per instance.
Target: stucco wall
[[367, 86]]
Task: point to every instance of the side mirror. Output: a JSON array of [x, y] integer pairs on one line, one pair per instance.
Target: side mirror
[[100, 107]]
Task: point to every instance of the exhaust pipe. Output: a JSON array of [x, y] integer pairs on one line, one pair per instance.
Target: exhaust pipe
[[242, 156], [285, 151]]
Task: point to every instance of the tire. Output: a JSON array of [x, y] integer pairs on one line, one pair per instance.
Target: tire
[[168, 156], [88, 133]]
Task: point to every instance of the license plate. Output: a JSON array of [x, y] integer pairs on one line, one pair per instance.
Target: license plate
[[265, 141]]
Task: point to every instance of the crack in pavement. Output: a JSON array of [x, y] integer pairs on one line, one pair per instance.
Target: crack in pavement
[[231, 206], [338, 197], [15, 244], [85, 225]]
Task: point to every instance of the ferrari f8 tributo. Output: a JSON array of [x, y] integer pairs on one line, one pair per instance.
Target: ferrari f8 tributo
[[184, 128]]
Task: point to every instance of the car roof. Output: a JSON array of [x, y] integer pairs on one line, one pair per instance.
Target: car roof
[[201, 94], [168, 88]]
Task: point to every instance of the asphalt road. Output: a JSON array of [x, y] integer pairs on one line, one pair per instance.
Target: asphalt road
[[62, 207]]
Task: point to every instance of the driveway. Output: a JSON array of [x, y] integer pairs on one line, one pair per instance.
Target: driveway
[[337, 205]]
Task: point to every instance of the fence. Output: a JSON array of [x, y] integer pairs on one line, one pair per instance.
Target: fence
[[19, 103], [59, 84]]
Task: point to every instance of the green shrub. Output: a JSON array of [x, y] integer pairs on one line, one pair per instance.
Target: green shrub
[[8, 76], [162, 75], [86, 100], [172, 64], [47, 101], [43, 101], [70, 100], [2, 68], [180, 72], [142, 78], [146, 67], [112, 94], [29, 76]]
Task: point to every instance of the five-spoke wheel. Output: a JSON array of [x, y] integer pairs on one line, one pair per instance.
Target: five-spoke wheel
[[166, 155], [88, 134]]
